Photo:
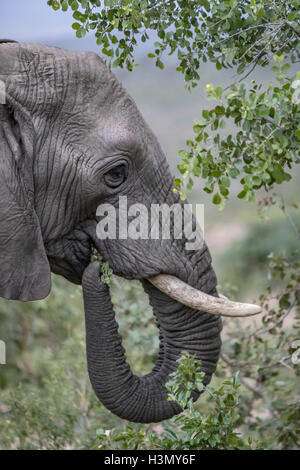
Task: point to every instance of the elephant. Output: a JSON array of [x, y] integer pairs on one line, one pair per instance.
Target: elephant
[[71, 138]]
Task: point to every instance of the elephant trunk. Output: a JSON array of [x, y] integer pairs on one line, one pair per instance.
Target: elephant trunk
[[143, 399]]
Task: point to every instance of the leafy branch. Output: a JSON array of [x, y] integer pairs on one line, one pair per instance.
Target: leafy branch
[[264, 149], [215, 429]]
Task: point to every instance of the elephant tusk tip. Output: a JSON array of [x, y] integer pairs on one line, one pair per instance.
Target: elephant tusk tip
[[247, 310], [252, 309], [187, 295]]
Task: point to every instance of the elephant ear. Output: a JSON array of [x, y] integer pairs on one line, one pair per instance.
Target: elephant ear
[[24, 267]]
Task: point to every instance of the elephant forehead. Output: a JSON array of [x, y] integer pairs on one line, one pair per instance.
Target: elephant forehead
[[120, 128], [121, 135]]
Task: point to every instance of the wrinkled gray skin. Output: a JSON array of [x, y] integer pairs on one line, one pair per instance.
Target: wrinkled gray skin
[[66, 123]]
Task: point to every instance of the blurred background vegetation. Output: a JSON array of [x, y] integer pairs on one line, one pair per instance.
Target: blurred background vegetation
[[46, 398]]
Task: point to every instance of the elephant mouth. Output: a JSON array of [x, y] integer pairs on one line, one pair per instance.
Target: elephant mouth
[[172, 286], [182, 292]]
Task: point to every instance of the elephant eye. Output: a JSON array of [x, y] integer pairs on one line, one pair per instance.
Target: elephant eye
[[116, 176]]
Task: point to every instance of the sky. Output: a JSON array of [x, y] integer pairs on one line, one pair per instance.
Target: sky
[[33, 20]]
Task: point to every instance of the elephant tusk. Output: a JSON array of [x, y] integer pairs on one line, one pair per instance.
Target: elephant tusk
[[187, 295]]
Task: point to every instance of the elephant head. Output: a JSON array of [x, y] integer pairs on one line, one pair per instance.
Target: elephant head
[[71, 138]]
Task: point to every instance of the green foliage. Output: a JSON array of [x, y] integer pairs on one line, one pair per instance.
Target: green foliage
[[30, 329], [191, 430], [264, 149], [232, 34], [55, 414], [46, 398], [267, 357], [105, 270], [228, 33], [213, 430]]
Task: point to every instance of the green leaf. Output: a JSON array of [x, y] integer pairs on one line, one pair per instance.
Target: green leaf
[[222, 124], [217, 199], [218, 92], [177, 182], [55, 5], [76, 26], [182, 168], [74, 5], [159, 64], [242, 194], [80, 33], [64, 5]]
